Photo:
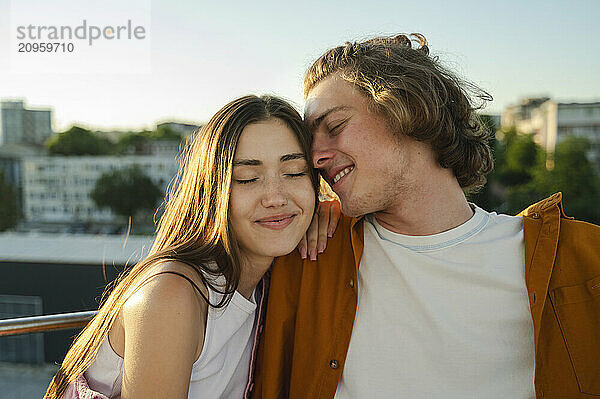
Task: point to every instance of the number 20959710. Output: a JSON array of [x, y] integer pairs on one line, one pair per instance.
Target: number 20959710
[[46, 47]]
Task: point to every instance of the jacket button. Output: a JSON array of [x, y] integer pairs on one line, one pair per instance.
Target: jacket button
[[333, 364], [351, 283], [535, 215]]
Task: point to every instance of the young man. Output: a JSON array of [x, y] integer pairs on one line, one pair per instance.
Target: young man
[[421, 294]]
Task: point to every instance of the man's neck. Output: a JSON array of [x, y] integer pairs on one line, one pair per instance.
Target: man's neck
[[433, 208]]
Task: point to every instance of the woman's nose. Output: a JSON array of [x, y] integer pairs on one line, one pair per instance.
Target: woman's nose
[[275, 194]]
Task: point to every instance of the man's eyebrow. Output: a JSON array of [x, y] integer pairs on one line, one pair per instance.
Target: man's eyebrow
[[317, 121], [257, 162]]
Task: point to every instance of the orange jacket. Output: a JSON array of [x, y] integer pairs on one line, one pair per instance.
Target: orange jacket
[[312, 305]]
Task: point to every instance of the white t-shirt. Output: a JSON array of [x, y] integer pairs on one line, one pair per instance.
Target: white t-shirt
[[442, 316]]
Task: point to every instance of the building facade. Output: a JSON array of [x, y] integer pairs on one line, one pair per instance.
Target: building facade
[[58, 188], [551, 121], [20, 125]]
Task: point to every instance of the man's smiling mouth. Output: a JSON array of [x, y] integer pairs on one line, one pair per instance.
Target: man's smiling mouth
[[342, 173]]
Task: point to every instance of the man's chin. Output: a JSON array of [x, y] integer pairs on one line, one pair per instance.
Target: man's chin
[[351, 211]]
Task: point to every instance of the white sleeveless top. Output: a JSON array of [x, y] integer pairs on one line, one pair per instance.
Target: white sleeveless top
[[221, 371]]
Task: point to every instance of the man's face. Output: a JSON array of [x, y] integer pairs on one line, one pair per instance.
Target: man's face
[[368, 167]]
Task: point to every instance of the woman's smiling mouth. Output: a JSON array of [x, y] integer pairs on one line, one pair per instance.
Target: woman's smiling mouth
[[276, 222]]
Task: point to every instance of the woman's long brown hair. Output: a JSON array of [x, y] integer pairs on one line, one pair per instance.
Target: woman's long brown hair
[[194, 227]]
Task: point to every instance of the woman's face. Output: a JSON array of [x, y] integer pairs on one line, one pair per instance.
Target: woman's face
[[272, 198]]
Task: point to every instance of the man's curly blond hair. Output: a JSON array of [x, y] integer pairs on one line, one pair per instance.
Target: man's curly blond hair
[[417, 97]]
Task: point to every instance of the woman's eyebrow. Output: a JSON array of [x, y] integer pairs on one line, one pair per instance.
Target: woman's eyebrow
[[247, 162], [258, 162], [290, 157]]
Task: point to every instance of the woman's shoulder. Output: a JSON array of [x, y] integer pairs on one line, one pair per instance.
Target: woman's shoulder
[[166, 299], [168, 285], [164, 321], [179, 273]]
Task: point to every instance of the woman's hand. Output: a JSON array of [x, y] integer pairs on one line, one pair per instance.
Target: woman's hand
[[323, 226]]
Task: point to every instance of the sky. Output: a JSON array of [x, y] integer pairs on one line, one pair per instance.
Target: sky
[[201, 54]]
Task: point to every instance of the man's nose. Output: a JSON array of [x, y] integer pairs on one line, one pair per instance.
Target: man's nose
[[274, 194], [322, 153]]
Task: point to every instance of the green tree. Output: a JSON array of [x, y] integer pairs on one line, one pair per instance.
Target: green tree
[[9, 211], [490, 195], [165, 133], [79, 141], [573, 174], [576, 177], [126, 192], [523, 172], [519, 169], [521, 176], [520, 155], [135, 142], [132, 142]]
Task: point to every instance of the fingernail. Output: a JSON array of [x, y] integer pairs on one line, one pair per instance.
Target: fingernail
[[321, 248], [330, 234], [303, 252], [313, 255]]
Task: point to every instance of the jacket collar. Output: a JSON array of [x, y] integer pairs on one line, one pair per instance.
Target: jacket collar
[[357, 238], [541, 228], [545, 206]]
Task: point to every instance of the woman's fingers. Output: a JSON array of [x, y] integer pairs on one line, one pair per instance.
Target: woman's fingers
[[335, 212], [322, 227], [324, 216], [302, 247], [312, 236]]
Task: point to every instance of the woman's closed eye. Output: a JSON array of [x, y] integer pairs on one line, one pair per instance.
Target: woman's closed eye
[[296, 174], [246, 181], [253, 179]]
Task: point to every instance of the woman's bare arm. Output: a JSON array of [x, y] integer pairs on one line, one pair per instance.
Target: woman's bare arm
[[164, 323]]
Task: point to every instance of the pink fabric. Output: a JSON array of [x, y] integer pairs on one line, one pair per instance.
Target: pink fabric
[[79, 389]]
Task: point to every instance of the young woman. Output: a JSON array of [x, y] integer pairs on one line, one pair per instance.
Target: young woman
[[180, 323]]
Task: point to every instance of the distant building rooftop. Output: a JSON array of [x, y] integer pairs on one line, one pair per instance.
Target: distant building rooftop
[[183, 128], [73, 248]]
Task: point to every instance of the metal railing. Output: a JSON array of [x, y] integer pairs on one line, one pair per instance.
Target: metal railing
[[34, 324]]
